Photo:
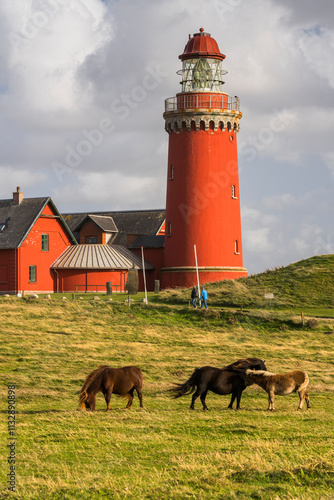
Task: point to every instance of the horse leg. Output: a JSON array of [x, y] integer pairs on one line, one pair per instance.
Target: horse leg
[[193, 399], [238, 399], [140, 396], [130, 398], [202, 397], [303, 396], [107, 396], [271, 399], [234, 395]]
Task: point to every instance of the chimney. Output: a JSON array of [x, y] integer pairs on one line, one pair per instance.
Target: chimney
[[17, 197]]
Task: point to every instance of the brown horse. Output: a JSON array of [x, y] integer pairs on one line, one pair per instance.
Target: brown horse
[[230, 379], [282, 385], [120, 381]]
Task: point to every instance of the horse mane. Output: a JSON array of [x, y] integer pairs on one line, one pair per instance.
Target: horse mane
[[89, 379], [259, 372]]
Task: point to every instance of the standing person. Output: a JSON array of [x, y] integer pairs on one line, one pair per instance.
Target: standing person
[[204, 298], [194, 296]]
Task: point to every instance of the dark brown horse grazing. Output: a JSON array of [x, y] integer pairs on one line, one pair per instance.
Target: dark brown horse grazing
[[282, 385], [120, 381], [228, 380]]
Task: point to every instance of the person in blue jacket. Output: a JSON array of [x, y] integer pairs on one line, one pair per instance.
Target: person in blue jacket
[[204, 298]]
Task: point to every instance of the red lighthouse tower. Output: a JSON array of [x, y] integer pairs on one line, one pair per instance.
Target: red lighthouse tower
[[203, 203]]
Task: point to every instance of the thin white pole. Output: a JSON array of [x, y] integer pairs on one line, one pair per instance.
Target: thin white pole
[[199, 291], [142, 258]]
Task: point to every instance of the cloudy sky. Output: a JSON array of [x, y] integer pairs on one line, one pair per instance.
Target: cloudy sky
[[82, 89]]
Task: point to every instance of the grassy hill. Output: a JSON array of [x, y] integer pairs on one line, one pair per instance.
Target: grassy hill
[[307, 284], [166, 451]]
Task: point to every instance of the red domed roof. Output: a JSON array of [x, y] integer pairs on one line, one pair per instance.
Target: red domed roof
[[201, 45]]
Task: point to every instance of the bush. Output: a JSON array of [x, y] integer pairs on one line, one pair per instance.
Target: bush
[[312, 323]]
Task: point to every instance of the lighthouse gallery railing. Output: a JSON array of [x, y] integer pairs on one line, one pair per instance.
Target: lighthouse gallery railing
[[202, 101]]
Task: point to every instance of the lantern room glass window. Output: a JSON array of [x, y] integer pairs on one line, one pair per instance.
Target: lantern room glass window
[[202, 75]]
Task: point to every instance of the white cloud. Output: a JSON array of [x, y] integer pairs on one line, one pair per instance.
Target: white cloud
[[48, 42], [317, 46], [20, 176], [111, 190], [81, 56]]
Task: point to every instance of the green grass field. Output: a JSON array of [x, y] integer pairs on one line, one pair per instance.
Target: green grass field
[[165, 450]]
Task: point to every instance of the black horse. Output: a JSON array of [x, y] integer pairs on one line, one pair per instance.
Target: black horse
[[230, 379]]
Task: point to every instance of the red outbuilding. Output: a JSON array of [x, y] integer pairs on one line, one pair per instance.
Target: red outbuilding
[[32, 235]]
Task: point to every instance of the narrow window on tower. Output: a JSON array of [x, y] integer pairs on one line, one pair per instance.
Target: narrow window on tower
[[171, 173], [236, 247], [234, 192], [169, 232]]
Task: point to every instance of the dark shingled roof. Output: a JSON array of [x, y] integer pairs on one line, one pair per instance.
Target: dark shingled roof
[[19, 219], [148, 242], [106, 223], [140, 222]]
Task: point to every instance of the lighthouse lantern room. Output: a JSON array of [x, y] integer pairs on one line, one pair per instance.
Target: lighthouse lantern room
[[203, 202]]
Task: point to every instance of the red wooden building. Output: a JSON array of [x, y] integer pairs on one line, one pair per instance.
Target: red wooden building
[[110, 243], [32, 235], [40, 254]]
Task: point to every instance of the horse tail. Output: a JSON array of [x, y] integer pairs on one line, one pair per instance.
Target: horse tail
[[186, 388], [82, 398], [305, 383]]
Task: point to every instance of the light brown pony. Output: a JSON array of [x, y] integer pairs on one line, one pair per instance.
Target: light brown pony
[[282, 385], [120, 381]]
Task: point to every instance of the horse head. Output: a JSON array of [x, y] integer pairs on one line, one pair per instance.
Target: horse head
[[258, 364], [246, 363], [85, 401]]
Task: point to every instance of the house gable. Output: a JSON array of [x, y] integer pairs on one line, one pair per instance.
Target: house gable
[[33, 236]]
